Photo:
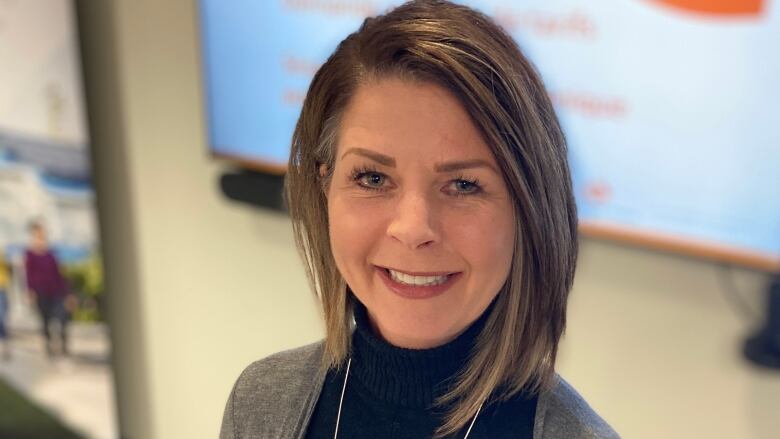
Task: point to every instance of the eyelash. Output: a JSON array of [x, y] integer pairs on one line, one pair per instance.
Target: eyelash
[[359, 172]]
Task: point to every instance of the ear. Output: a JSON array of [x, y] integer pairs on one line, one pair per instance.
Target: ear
[[323, 170]]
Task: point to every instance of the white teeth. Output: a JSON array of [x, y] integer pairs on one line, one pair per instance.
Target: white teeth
[[417, 280]]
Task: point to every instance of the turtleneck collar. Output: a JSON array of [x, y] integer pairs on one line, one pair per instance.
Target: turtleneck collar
[[411, 378]]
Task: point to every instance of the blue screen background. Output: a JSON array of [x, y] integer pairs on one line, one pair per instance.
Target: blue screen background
[[671, 116]]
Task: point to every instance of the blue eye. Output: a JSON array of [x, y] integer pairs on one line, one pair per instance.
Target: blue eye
[[371, 179], [466, 187], [368, 179]]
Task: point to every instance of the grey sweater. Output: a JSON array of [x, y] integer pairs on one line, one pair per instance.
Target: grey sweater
[[275, 397]]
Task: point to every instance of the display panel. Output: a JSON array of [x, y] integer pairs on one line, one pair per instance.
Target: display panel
[[669, 106]]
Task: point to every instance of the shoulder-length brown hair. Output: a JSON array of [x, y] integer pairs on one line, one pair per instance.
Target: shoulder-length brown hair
[[466, 52]]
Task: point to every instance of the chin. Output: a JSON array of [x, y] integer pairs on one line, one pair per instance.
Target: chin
[[415, 326]]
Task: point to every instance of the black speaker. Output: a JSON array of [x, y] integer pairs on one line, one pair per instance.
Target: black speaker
[[763, 348], [254, 188]]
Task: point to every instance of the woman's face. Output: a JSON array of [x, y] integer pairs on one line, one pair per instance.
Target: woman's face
[[421, 222], [38, 240]]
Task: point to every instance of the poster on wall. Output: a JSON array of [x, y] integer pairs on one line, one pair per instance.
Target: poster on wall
[[44, 156], [668, 106], [50, 266]]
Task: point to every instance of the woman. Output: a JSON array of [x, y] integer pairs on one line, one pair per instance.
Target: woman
[[431, 201], [47, 286]]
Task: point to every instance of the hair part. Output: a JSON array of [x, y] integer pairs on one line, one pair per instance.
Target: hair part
[[465, 52]]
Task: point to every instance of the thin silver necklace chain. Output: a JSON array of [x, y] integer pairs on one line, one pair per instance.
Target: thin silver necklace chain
[[341, 402]]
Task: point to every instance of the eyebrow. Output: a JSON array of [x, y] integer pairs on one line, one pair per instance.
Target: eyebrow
[[375, 156], [465, 164], [439, 167]]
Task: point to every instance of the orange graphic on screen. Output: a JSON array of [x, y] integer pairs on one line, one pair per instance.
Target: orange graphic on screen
[[598, 192], [750, 8]]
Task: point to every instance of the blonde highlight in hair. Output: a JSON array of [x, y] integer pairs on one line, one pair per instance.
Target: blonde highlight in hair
[[467, 53]]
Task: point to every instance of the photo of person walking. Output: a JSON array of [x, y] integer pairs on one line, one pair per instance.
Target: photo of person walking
[[47, 287]]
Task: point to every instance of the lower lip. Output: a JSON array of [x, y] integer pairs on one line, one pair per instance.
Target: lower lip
[[416, 291]]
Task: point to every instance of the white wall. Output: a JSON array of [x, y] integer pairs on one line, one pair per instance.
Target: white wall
[[199, 287], [654, 343]]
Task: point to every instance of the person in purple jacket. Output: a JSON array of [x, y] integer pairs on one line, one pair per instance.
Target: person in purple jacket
[[46, 285]]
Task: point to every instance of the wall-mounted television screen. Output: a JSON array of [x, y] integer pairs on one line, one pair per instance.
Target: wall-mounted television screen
[[670, 107]]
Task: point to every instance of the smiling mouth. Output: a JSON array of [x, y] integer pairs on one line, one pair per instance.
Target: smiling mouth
[[421, 279]]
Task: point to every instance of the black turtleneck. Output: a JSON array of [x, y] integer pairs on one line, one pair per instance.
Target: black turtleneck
[[390, 391]]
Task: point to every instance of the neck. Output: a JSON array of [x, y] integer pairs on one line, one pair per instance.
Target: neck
[[411, 378]]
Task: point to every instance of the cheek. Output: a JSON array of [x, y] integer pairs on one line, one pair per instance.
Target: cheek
[[353, 229], [487, 242]]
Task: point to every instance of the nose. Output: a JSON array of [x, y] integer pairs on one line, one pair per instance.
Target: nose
[[413, 222]]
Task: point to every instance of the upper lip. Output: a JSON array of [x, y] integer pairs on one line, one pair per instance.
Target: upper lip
[[419, 273]]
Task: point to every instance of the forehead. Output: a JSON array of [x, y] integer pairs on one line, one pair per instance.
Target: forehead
[[418, 120]]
